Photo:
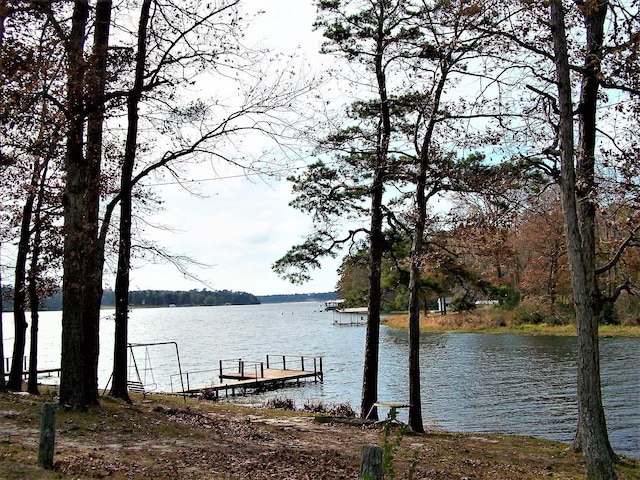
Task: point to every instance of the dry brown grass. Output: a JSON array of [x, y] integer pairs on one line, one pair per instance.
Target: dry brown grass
[[492, 320], [164, 438]]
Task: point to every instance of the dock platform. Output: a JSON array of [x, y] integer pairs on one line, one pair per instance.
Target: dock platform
[[239, 376]]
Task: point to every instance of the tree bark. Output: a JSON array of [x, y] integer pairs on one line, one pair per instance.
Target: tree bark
[[579, 214], [20, 294], [371, 463], [3, 383], [415, 267], [372, 339], [82, 282], [96, 81], [20, 281], [72, 363], [376, 238], [119, 384], [32, 284]]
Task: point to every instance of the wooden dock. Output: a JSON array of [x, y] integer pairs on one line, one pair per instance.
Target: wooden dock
[[41, 373], [239, 376], [350, 316]]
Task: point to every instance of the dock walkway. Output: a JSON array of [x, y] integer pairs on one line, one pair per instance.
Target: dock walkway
[[239, 376]]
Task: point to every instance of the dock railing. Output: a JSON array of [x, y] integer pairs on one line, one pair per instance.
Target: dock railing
[[296, 362], [241, 369], [196, 377], [237, 371], [41, 373]]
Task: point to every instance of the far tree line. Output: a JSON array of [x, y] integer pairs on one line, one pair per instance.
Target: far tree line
[[153, 298], [163, 298]]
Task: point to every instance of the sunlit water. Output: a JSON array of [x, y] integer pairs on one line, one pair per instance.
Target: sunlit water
[[515, 384]]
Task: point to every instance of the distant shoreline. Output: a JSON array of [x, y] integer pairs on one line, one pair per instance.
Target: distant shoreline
[[470, 323]]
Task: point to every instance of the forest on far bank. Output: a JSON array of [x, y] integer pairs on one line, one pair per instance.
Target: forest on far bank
[[180, 298]]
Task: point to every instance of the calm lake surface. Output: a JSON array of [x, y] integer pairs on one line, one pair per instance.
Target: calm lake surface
[[515, 384]]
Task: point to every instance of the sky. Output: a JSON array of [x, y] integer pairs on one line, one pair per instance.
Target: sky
[[242, 225]]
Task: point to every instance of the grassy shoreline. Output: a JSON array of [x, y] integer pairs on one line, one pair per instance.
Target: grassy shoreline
[[162, 437], [483, 321]]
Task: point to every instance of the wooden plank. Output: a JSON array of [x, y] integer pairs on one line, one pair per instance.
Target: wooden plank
[[271, 376]]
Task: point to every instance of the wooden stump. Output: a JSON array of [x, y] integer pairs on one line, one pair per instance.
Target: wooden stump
[[46, 445], [371, 463]]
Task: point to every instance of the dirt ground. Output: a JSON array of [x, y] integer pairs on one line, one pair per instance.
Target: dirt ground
[[164, 438]]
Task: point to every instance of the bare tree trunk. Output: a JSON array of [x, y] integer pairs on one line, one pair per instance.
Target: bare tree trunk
[[82, 280], [32, 283], [4, 11], [376, 238], [20, 293], [416, 263], [76, 233], [415, 399], [579, 211], [3, 383], [372, 339], [119, 383], [96, 81]]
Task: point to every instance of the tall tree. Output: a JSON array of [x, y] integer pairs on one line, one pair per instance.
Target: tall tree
[[408, 50], [170, 57], [577, 186], [366, 32], [34, 277], [577, 67], [30, 140], [85, 98], [438, 52], [119, 385]]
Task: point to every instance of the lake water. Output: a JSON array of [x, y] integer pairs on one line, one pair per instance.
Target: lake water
[[515, 384]]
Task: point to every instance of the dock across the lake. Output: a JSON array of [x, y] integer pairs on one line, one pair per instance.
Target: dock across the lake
[[239, 376]]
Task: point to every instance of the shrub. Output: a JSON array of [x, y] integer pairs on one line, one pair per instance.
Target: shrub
[[314, 406], [282, 403], [529, 312], [507, 297], [342, 410], [563, 314], [336, 409]]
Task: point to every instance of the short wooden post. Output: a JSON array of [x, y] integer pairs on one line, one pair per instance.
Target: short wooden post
[[371, 463], [47, 435]]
